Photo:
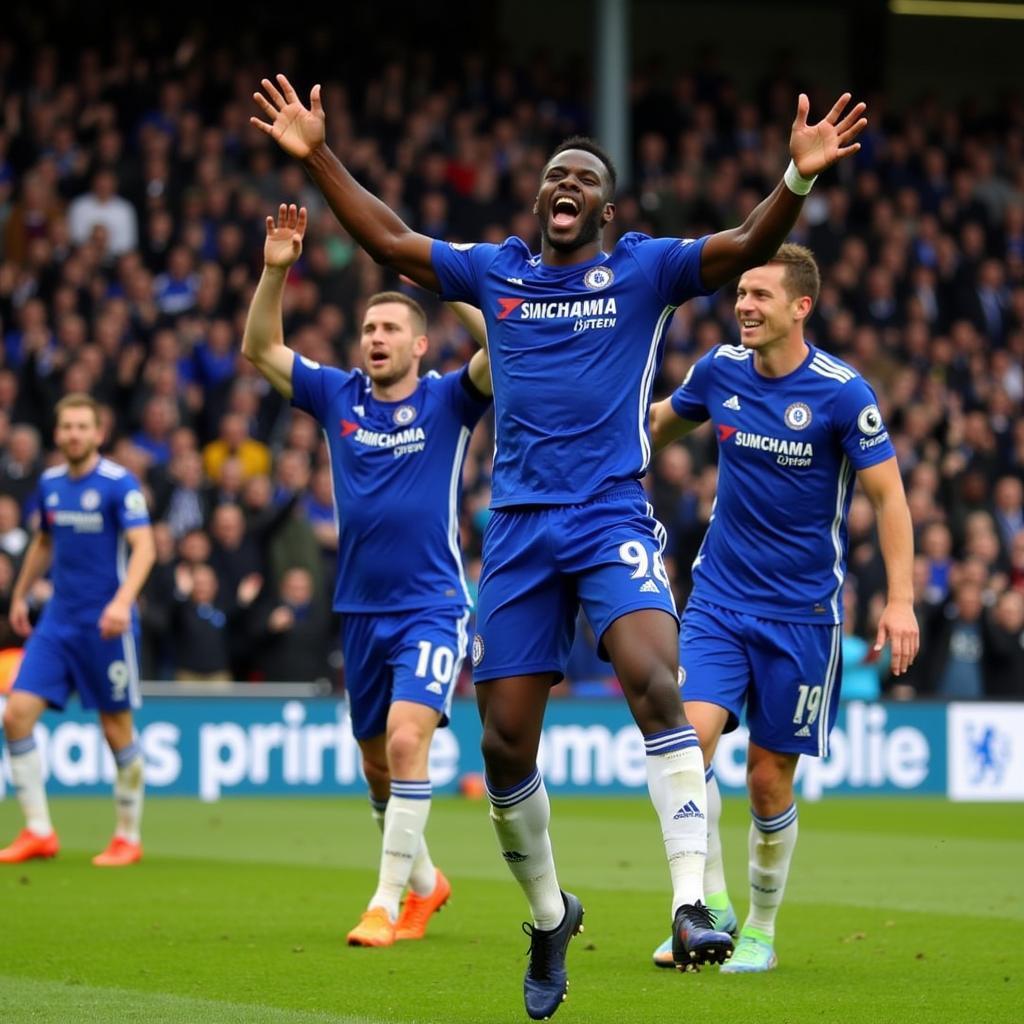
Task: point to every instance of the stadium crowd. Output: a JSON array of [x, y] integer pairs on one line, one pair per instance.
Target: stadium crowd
[[132, 198]]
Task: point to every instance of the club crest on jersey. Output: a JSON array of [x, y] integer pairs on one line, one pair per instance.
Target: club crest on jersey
[[597, 278], [52, 501], [478, 650], [797, 416], [90, 499], [404, 415]]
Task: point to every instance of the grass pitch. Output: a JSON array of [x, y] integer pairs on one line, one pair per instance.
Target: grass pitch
[[896, 911]]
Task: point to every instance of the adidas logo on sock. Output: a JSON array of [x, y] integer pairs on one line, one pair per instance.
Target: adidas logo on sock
[[688, 810], [513, 856], [732, 403], [649, 587], [805, 731]]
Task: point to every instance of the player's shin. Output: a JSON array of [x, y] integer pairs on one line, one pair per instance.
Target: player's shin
[[675, 779], [129, 791], [771, 845], [423, 876], [716, 895], [405, 821], [27, 778], [520, 816]]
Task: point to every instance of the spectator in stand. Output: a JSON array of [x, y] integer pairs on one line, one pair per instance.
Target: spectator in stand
[[13, 537], [296, 632], [955, 654], [1003, 647], [20, 464], [104, 207], [234, 442], [1008, 509]]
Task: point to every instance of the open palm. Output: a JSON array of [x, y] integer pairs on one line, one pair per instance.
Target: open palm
[[283, 245], [296, 129], [814, 147]]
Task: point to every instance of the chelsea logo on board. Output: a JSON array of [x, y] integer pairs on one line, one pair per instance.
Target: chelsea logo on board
[[597, 278], [404, 415], [797, 416]]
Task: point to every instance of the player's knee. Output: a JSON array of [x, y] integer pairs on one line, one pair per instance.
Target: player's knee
[[771, 787], [407, 749], [503, 758], [16, 723]]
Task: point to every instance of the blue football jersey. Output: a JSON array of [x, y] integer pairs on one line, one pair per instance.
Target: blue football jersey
[[574, 352], [788, 451], [87, 516], [397, 471]]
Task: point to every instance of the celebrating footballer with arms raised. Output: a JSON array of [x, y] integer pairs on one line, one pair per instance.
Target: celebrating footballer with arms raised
[[397, 444], [575, 337]]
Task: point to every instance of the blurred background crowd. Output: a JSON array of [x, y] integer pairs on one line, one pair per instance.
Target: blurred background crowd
[[133, 193]]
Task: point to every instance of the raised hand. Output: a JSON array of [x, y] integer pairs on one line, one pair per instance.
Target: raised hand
[[296, 129], [284, 238], [814, 147]]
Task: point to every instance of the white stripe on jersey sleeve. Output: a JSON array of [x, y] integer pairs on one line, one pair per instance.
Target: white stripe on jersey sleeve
[[54, 472], [453, 510], [647, 385], [843, 484], [111, 469], [829, 374], [737, 352], [825, 360]]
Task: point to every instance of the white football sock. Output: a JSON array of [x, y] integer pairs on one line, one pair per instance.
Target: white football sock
[[129, 790], [771, 844], [423, 877], [715, 890], [520, 816], [27, 777], [675, 780], [404, 822]]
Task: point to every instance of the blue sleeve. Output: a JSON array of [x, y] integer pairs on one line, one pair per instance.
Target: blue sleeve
[[672, 265], [37, 500], [859, 425], [131, 503], [468, 403], [689, 400], [313, 386], [459, 268]]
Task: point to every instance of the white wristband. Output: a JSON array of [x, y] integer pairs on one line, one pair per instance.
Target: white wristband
[[796, 182]]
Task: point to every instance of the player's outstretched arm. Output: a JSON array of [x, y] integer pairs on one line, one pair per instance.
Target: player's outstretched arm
[[480, 364], [37, 561], [263, 340], [666, 425], [299, 130], [813, 147], [116, 618], [473, 320], [898, 624]]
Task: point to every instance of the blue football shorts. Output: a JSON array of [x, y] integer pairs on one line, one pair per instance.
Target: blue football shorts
[[413, 656], [786, 674], [60, 658], [542, 562]]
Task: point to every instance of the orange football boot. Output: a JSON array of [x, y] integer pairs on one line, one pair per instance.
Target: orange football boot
[[30, 846], [120, 853], [375, 928], [412, 923]]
